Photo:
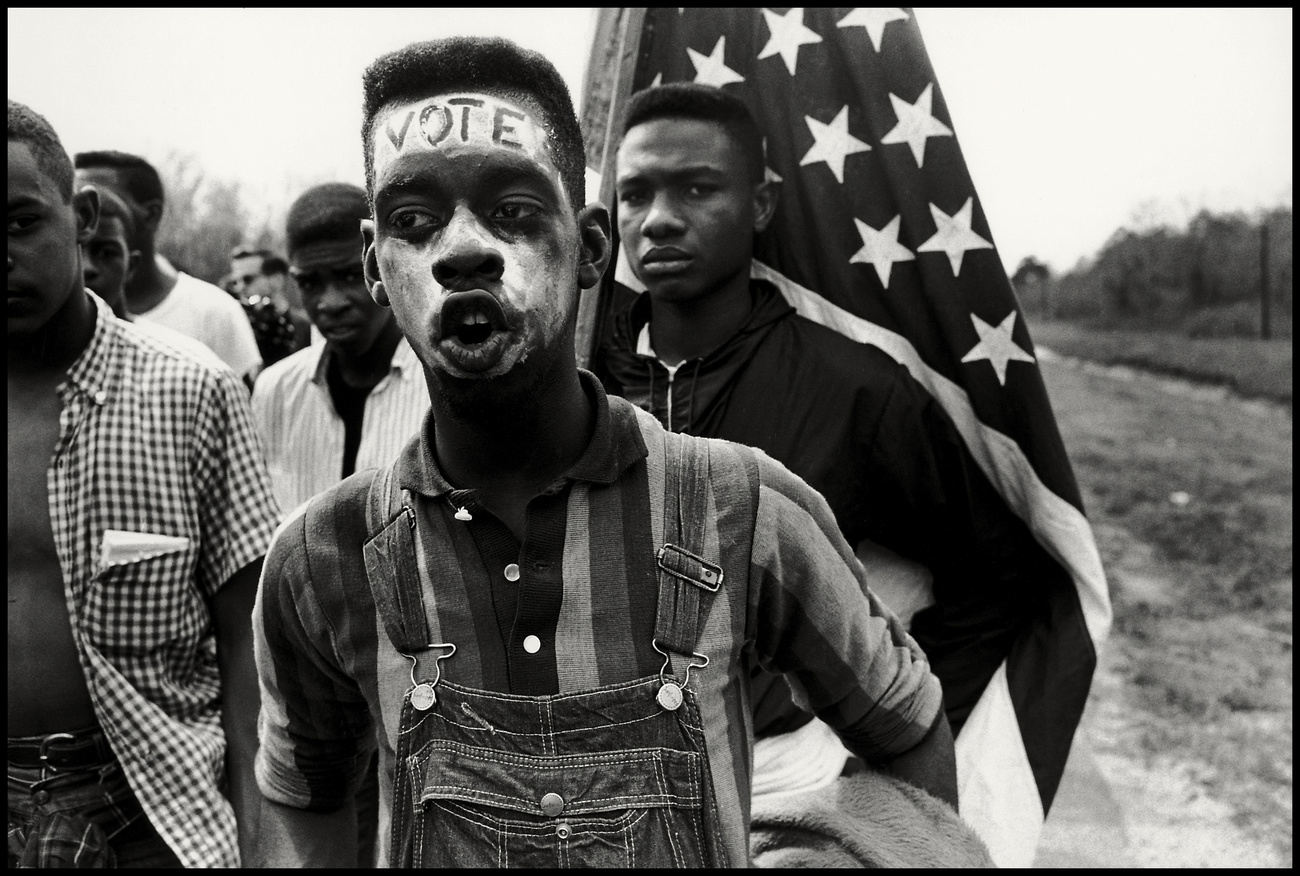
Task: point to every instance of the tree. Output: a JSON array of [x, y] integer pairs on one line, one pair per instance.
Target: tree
[[205, 218]]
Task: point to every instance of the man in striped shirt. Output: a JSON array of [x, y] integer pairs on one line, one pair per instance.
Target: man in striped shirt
[[353, 402], [544, 614]]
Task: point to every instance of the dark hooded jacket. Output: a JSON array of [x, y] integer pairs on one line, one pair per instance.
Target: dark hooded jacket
[[858, 428]]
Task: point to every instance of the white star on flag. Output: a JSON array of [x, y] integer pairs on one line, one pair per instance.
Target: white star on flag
[[833, 143], [710, 69], [658, 80], [915, 123], [881, 248], [953, 235], [874, 20], [996, 346], [788, 34]]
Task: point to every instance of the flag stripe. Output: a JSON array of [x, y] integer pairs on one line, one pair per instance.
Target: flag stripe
[[1058, 525]]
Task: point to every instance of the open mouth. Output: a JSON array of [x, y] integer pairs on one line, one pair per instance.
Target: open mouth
[[474, 329]]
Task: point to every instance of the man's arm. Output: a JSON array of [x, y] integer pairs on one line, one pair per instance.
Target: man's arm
[[292, 837], [232, 616], [846, 654], [930, 765]]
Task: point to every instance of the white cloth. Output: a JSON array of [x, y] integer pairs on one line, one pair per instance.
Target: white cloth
[[204, 312], [302, 435], [806, 759]]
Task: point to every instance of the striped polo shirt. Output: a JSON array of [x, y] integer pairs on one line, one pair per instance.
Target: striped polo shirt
[[303, 436], [582, 586]]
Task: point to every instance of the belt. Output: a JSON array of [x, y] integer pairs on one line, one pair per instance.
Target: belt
[[61, 751]]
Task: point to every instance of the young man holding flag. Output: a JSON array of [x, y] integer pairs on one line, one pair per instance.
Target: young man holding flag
[[842, 334]]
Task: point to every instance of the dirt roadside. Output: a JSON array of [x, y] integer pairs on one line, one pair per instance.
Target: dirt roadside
[[1184, 755]]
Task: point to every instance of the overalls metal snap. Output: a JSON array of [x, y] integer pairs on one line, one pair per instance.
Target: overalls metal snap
[[422, 694], [669, 696], [563, 831], [552, 804]]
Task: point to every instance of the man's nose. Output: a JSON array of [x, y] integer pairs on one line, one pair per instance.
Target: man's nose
[[333, 299], [662, 219], [466, 254]]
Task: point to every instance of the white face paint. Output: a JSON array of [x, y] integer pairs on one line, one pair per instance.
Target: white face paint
[[475, 236]]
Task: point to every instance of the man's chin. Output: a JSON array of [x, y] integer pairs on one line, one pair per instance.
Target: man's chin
[[676, 288], [494, 395]]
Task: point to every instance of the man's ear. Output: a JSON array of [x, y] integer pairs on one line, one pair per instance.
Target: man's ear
[[594, 232], [85, 204], [370, 264], [132, 264], [766, 195]]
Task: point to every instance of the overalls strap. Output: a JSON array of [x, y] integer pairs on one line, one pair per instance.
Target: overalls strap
[[687, 581], [390, 564]]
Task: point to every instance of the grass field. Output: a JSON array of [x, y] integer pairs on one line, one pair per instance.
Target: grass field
[[1191, 502], [1252, 368]]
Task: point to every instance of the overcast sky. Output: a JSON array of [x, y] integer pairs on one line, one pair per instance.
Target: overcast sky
[[1070, 120]]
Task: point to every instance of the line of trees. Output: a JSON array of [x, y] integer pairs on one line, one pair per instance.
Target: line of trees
[[1203, 279], [205, 218]]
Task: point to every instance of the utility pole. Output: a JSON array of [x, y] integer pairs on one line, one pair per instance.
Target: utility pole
[[1265, 330]]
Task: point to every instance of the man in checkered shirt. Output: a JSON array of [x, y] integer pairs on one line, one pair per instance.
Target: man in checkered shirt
[[139, 512]]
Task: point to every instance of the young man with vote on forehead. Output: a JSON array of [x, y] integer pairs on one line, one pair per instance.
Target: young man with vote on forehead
[[544, 613]]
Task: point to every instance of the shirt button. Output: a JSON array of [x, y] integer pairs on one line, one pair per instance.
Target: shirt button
[[512, 572], [532, 645], [101, 397], [40, 798], [552, 804]]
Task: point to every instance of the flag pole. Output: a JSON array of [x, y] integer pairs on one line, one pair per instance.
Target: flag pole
[[614, 47]]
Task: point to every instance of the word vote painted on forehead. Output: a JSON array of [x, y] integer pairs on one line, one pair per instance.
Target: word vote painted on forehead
[[448, 121]]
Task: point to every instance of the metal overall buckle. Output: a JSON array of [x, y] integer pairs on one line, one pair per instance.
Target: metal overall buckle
[[670, 692], [422, 695]]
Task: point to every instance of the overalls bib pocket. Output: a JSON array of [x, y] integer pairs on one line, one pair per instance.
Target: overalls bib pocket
[[629, 808]]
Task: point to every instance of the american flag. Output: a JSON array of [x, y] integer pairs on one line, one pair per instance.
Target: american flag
[[880, 235]]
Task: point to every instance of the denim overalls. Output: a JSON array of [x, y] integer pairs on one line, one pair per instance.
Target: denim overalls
[[617, 776]]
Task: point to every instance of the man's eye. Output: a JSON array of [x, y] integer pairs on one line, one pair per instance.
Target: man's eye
[[697, 190], [631, 196], [516, 210], [19, 224], [308, 283], [411, 220]]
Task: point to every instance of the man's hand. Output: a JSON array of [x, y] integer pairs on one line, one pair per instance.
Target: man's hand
[[232, 617]]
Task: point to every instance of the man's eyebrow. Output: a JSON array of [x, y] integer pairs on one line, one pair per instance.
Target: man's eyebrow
[[676, 174], [19, 201], [499, 173]]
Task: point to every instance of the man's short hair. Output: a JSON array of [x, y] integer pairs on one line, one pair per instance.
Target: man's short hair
[[477, 64], [692, 100], [111, 206], [30, 127], [332, 211], [138, 176], [273, 265]]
